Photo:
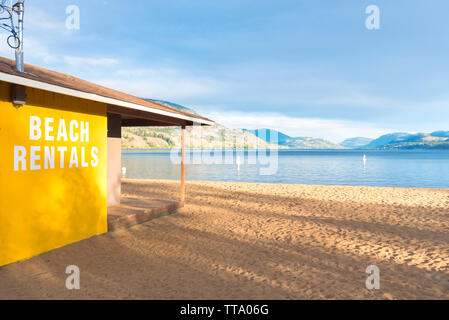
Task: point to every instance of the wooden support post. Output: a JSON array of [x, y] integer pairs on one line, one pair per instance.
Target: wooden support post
[[183, 165]]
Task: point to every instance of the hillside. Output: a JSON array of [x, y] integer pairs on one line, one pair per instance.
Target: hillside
[[216, 136], [400, 140], [419, 141], [309, 143], [354, 143], [386, 139], [440, 134], [288, 142], [146, 137]]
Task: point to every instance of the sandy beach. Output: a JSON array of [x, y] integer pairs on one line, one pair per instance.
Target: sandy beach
[[257, 241]]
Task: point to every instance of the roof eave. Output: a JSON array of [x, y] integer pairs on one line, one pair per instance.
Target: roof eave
[[94, 97]]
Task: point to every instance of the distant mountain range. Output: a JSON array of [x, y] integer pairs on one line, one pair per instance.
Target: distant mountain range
[[354, 143], [385, 139], [218, 136], [294, 142], [402, 140], [398, 140]]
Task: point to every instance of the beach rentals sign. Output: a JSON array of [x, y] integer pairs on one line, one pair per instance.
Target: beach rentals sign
[[53, 172], [43, 157]]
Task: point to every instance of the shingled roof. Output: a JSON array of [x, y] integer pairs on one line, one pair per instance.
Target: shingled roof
[[34, 73]]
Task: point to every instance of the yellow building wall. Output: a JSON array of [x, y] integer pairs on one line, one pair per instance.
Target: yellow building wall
[[44, 209]]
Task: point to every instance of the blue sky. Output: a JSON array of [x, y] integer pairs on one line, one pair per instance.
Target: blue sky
[[308, 68]]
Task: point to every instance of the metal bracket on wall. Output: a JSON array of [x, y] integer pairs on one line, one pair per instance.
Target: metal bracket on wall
[[18, 95]]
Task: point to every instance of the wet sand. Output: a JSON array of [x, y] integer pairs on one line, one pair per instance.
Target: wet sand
[[257, 241]]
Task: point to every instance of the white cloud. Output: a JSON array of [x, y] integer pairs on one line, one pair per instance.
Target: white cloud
[[5, 50], [83, 62], [37, 50], [34, 49], [358, 100], [162, 83], [39, 20]]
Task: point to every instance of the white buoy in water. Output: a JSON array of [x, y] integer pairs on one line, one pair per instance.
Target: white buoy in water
[[124, 171], [364, 159], [238, 163]]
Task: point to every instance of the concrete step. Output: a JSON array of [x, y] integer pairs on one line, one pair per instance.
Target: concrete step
[[132, 211]]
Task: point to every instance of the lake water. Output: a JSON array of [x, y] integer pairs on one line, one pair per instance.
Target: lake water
[[417, 169]]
